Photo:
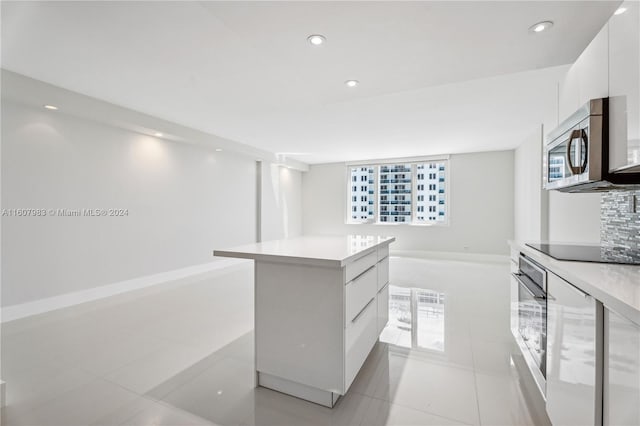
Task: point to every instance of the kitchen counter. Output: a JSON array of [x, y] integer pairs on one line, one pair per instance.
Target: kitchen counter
[[320, 305], [616, 286]]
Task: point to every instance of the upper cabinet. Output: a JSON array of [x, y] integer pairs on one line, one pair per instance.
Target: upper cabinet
[[624, 86], [588, 77], [610, 67]]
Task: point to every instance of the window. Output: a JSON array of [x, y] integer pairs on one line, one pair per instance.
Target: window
[[399, 193]]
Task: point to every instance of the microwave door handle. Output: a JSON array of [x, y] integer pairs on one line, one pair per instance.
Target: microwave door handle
[[583, 136], [577, 134]]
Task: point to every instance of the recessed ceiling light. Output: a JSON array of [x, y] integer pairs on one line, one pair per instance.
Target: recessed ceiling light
[[158, 134], [620, 11], [351, 83], [218, 149], [541, 26], [316, 39], [51, 107]]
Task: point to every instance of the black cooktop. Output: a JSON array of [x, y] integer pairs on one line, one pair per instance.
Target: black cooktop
[[588, 253]]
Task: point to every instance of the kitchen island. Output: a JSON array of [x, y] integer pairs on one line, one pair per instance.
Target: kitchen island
[[320, 305]]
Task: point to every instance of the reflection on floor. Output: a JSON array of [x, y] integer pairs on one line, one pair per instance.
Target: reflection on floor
[[182, 354], [416, 319]]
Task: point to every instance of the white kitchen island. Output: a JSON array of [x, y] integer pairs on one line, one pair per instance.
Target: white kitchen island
[[320, 305]]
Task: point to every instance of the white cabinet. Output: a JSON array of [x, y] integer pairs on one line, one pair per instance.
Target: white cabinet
[[569, 94], [574, 363], [593, 70], [624, 86], [513, 290], [588, 77], [383, 288], [316, 325], [383, 308], [621, 370]]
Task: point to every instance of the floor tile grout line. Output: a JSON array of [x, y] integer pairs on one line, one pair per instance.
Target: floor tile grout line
[[50, 398], [475, 379], [431, 413]]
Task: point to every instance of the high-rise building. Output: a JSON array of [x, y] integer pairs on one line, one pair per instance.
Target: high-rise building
[[362, 194], [395, 193], [430, 192], [556, 167]]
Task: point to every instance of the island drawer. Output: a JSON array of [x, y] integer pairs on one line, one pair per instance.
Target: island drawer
[[359, 292], [359, 266], [360, 336]]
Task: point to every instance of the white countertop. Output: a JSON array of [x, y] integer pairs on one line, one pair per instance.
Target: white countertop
[[311, 250], [616, 286]]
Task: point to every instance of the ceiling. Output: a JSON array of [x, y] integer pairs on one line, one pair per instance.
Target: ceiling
[[435, 77]]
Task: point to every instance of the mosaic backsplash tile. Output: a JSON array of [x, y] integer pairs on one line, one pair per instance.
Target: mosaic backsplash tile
[[619, 226]]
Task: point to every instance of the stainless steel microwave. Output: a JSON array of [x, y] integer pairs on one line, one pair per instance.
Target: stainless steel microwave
[[576, 154]]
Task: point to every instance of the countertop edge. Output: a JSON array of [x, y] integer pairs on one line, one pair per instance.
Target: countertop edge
[[556, 266], [311, 261], [277, 258]]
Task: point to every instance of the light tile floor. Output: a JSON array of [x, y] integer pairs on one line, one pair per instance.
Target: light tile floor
[[182, 354]]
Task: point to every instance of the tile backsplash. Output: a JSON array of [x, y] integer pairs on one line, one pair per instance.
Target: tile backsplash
[[620, 226]]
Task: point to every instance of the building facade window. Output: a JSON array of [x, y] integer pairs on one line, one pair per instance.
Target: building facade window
[[399, 193]]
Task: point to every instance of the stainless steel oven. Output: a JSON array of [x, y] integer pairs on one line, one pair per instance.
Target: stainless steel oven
[[531, 331]]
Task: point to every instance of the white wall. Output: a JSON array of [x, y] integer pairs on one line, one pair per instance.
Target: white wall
[[184, 198], [574, 217], [481, 207], [281, 202], [529, 198], [183, 201]]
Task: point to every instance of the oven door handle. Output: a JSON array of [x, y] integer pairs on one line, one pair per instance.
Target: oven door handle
[[535, 291]]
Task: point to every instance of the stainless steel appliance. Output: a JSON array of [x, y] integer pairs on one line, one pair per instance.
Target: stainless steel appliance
[[576, 154], [531, 331]]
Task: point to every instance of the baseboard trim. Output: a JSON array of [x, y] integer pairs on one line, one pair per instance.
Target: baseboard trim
[[447, 255], [40, 306]]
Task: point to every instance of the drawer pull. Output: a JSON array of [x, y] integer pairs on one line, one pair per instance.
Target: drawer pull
[[362, 310], [363, 272], [383, 287]]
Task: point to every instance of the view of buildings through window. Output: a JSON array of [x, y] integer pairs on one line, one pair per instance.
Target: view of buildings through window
[[362, 194], [402, 193], [395, 193]]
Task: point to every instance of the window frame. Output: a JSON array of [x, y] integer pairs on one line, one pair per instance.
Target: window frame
[[414, 162]]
